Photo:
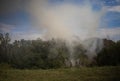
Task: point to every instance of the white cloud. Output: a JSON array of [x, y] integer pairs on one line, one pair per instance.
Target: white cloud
[[114, 8], [111, 32], [32, 35], [25, 35], [6, 27]]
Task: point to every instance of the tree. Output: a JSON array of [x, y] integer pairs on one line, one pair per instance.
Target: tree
[[4, 47], [110, 54], [80, 57]]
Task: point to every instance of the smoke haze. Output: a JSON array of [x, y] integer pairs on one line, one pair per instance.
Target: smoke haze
[[65, 20]]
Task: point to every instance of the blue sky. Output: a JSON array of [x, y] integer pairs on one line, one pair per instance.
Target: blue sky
[[21, 19]]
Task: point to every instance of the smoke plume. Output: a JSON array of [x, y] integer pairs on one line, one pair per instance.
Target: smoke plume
[[67, 21]]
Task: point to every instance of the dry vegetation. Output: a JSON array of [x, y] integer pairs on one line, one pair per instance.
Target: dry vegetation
[[71, 74]]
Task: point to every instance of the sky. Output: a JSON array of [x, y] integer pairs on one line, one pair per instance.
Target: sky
[[31, 19]]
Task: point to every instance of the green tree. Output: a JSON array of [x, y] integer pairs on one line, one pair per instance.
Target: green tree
[[110, 54], [4, 47]]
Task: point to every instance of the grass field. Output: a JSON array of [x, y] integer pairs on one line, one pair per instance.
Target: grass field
[[71, 74]]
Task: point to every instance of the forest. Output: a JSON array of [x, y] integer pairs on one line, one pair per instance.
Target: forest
[[52, 54]]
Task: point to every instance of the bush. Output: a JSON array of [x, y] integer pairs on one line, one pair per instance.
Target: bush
[[5, 66]]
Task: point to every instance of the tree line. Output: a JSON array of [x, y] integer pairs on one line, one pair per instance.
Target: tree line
[[35, 54]]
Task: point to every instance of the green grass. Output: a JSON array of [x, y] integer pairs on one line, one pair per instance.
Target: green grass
[[71, 74]]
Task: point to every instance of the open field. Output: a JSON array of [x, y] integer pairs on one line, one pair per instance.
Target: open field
[[71, 74]]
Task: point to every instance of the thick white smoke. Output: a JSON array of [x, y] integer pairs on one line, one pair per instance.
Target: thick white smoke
[[65, 20]]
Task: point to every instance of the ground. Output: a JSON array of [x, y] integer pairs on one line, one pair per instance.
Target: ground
[[67, 74]]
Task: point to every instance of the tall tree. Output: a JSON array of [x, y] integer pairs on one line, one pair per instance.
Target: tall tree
[[4, 47]]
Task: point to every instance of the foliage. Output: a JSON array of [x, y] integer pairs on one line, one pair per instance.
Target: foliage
[[34, 53], [5, 66], [110, 54], [53, 53], [4, 47]]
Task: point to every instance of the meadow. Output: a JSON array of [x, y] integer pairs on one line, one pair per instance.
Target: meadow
[[111, 73]]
